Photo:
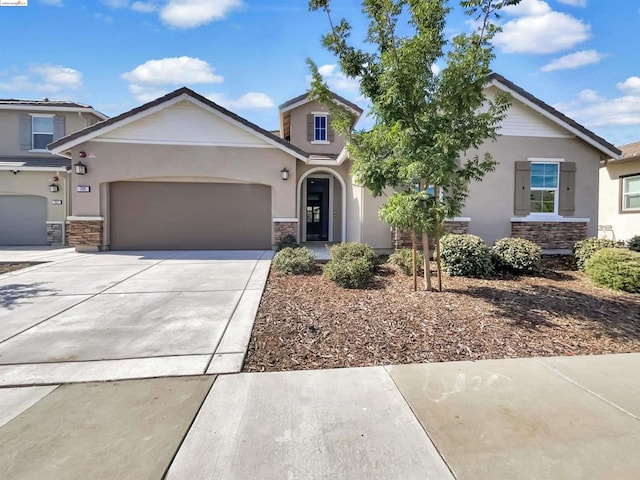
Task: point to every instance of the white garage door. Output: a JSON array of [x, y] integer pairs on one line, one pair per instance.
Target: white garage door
[[23, 220]]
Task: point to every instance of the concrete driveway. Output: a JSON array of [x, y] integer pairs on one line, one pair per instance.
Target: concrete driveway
[[122, 315]]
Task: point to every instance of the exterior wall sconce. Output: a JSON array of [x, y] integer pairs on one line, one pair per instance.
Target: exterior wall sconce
[[80, 168], [284, 173], [54, 188]]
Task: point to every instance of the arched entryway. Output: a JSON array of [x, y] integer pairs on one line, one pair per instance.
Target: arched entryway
[[322, 206]]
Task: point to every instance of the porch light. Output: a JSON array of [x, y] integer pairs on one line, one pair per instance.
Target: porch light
[[54, 188], [80, 168], [284, 173]]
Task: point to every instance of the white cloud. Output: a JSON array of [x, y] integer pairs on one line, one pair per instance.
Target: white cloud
[[338, 81], [574, 3], [574, 60], [154, 77], [194, 13], [539, 30], [248, 101], [53, 3], [144, 7], [116, 3], [435, 69], [45, 79], [593, 110]]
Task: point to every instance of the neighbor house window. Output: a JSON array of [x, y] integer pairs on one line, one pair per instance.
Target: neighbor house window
[[320, 128], [544, 187], [631, 193], [41, 132]]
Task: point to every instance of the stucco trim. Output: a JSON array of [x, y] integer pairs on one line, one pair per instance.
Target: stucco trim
[[549, 219], [75, 218], [51, 222], [458, 219], [33, 169], [175, 142], [276, 220]]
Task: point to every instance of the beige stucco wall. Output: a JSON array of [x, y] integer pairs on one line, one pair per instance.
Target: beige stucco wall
[[624, 225], [37, 183], [120, 162], [299, 131], [375, 232], [490, 203], [9, 126]]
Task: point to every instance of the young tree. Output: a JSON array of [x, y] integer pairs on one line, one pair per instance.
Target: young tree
[[428, 125]]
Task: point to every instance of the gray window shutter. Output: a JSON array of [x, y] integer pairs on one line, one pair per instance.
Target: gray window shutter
[[522, 203], [330, 132], [58, 127], [310, 127], [24, 132], [567, 200]]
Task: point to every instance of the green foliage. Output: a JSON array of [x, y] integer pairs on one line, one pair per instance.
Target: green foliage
[[353, 273], [634, 243], [294, 261], [465, 256], [403, 258], [615, 268], [287, 241], [516, 255], [584, 249], [345, 252]]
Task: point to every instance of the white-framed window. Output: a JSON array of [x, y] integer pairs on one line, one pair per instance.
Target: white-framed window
[[320, 128], [631, 193], [41, 131], [545, 177]]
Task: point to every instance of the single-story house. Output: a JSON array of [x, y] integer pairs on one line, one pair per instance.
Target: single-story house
[[619, 212], [181, 172]]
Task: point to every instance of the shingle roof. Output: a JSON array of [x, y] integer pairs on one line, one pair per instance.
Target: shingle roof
[[560, 116], [43, 103], [630, 150], [159, 101], [24, 161], [340, 99]]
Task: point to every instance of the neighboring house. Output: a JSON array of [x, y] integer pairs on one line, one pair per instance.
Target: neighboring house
[[34, 195], [619, 211], [184, 173]]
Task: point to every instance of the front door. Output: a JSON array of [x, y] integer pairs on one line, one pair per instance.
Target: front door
[[317, 214]]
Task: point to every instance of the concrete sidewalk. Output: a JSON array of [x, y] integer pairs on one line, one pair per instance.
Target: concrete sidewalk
[[541, 418]]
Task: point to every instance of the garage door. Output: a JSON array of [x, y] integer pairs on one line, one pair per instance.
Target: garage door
[[189, 216], [23, 220]]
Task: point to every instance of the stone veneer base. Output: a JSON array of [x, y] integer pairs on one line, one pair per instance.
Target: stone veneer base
[[85, 235], [283, 228], [550, 235]]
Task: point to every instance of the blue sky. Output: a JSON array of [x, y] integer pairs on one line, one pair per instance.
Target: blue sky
[[581, 56]]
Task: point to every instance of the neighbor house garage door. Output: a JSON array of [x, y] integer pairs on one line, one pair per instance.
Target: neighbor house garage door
[[23, 220], [189, 216]]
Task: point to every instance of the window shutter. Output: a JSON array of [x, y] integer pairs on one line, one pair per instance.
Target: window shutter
[[330, 132], [522, 203], [567, 200], [58, 127], [24, 132], [310, 127]]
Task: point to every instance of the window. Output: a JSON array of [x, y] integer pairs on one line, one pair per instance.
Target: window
[[41, 132], [544, 187], [320, 128], [631, 193]]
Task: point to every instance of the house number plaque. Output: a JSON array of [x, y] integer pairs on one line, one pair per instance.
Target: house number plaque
[[83, 188]]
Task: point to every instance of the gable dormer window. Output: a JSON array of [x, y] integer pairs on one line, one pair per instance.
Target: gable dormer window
[[37, 130], [41, 131], [320, 128]]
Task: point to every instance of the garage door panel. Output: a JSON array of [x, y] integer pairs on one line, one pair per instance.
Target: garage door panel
[[23, 220], [188, 216]]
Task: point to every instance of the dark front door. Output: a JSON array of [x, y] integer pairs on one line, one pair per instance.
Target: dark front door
[[317, 215]]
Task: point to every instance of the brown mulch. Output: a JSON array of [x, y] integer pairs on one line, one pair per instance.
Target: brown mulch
[[10, 267], [307, 322]]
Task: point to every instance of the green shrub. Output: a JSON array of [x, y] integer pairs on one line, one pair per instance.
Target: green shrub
[[287, 241], [293, 261], [465, 256], [403, 258], [351, 251], [516, 255], [584, 249], [634, 243], [355, 273], [615, 268]]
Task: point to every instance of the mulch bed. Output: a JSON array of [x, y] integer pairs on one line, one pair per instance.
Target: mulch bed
[[10, 267], [307, 322]]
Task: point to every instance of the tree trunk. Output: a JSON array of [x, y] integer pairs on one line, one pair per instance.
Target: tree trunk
[[415, 261], [438, 264], [427, 263]]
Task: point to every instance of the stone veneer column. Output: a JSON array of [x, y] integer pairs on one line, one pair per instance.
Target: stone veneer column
[[550, 235], [55, 233], [85, 233], [403, 239], [283, 227]]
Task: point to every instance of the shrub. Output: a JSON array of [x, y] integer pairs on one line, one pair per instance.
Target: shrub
[[403, 258], [634, 243], [355, 273], [465, 256], [516, 255], [341, 252], [584, 249], [293, 261], [615, 268], [287, 241]]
